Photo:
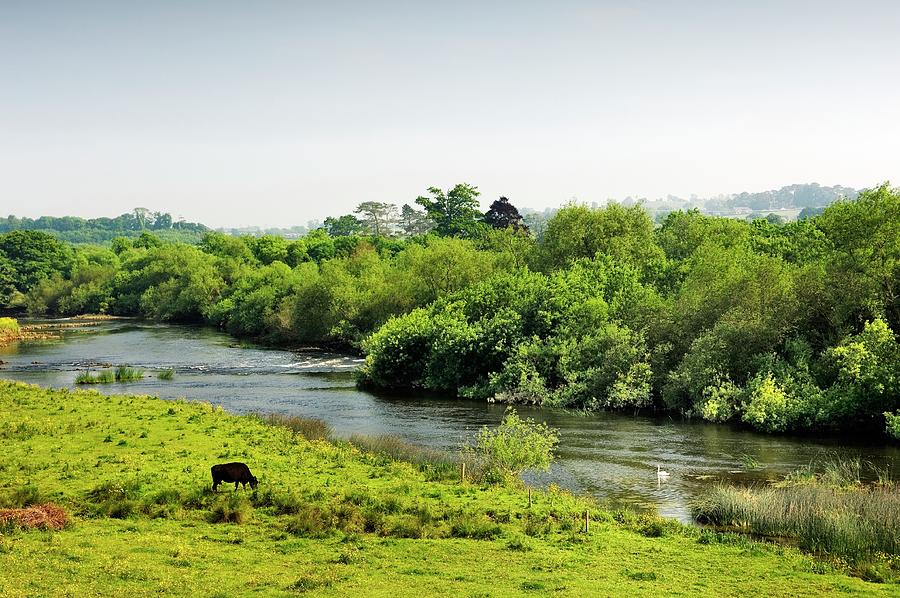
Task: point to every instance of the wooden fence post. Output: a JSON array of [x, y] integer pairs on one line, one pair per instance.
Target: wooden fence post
[[462, 471], [587, 522], [529, 497]]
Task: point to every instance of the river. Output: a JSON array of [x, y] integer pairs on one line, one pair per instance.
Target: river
[[612, 456]]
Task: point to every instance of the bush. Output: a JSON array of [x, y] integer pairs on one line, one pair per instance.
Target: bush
[[513, 446], [398, 353], [893, 424]]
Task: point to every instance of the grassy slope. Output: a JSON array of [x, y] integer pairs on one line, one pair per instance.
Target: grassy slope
[[67, 443]]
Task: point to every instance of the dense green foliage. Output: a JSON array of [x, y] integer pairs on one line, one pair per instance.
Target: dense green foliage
[[777, 326]]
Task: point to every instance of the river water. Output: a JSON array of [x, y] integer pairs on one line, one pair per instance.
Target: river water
[[612, 456]]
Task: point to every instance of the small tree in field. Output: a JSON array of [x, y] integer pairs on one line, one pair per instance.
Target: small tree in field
[[514, 446]]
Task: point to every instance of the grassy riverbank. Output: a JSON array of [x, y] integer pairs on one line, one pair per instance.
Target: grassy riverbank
[[327, 519], [830, 512]]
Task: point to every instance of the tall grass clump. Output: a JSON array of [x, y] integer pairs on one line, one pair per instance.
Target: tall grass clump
[[23, 496], [440, 463], [116, 498], [102, 377], [233, 508], [826, 513], [307, 427], [125, 373], [167, 374]]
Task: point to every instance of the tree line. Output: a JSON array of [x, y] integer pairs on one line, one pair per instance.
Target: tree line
[[101, 230], [779, 327]]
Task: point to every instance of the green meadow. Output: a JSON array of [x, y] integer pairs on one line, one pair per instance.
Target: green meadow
[[328, 518]]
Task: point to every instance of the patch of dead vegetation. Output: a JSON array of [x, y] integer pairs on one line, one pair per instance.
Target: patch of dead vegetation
[[44, 516]]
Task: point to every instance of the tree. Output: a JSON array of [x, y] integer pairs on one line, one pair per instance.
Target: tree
[[577, 231], [379, 217], [269, 248], [140, 216], [503, 214], [7, 282], [34, 255], [455, 213], [864, 268], [414, 222], [343, 226]]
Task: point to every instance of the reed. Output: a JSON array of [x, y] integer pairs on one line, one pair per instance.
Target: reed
[[102, 377], [125, 373], [441, 463], [167, 374], [307, 427], [822, 513]]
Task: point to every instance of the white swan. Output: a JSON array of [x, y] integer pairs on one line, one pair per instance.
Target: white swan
[[661, 474]]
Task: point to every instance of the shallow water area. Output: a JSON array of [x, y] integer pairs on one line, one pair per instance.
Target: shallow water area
[[612, 456]]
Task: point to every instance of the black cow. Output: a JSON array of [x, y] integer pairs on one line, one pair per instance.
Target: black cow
[[238, 473]]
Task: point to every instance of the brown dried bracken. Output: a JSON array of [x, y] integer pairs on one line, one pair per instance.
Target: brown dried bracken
[[45, 516]]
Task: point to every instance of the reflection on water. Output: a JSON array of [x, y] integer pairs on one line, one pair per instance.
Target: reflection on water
[[612, 456]]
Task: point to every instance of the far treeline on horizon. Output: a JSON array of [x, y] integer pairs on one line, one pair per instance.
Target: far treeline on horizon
[[778, 326], [788, 203]]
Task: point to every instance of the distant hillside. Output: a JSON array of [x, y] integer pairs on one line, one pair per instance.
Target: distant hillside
[[99, 230], [789, 202]]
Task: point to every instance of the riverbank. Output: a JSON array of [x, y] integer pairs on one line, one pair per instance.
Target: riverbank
[[133, 473], [12, 331]]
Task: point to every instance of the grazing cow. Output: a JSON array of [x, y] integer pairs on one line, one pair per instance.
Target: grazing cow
[[238, 473]]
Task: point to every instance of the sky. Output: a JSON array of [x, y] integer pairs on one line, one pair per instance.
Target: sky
[[275, 113]]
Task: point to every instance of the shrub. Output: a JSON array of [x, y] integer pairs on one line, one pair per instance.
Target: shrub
[[398, 353], [513, 446], [893, 424]]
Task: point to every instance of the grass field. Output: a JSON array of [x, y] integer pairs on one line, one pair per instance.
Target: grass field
[[327, 519]]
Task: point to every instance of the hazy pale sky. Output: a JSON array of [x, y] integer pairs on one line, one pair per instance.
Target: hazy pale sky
[[274, 113]]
